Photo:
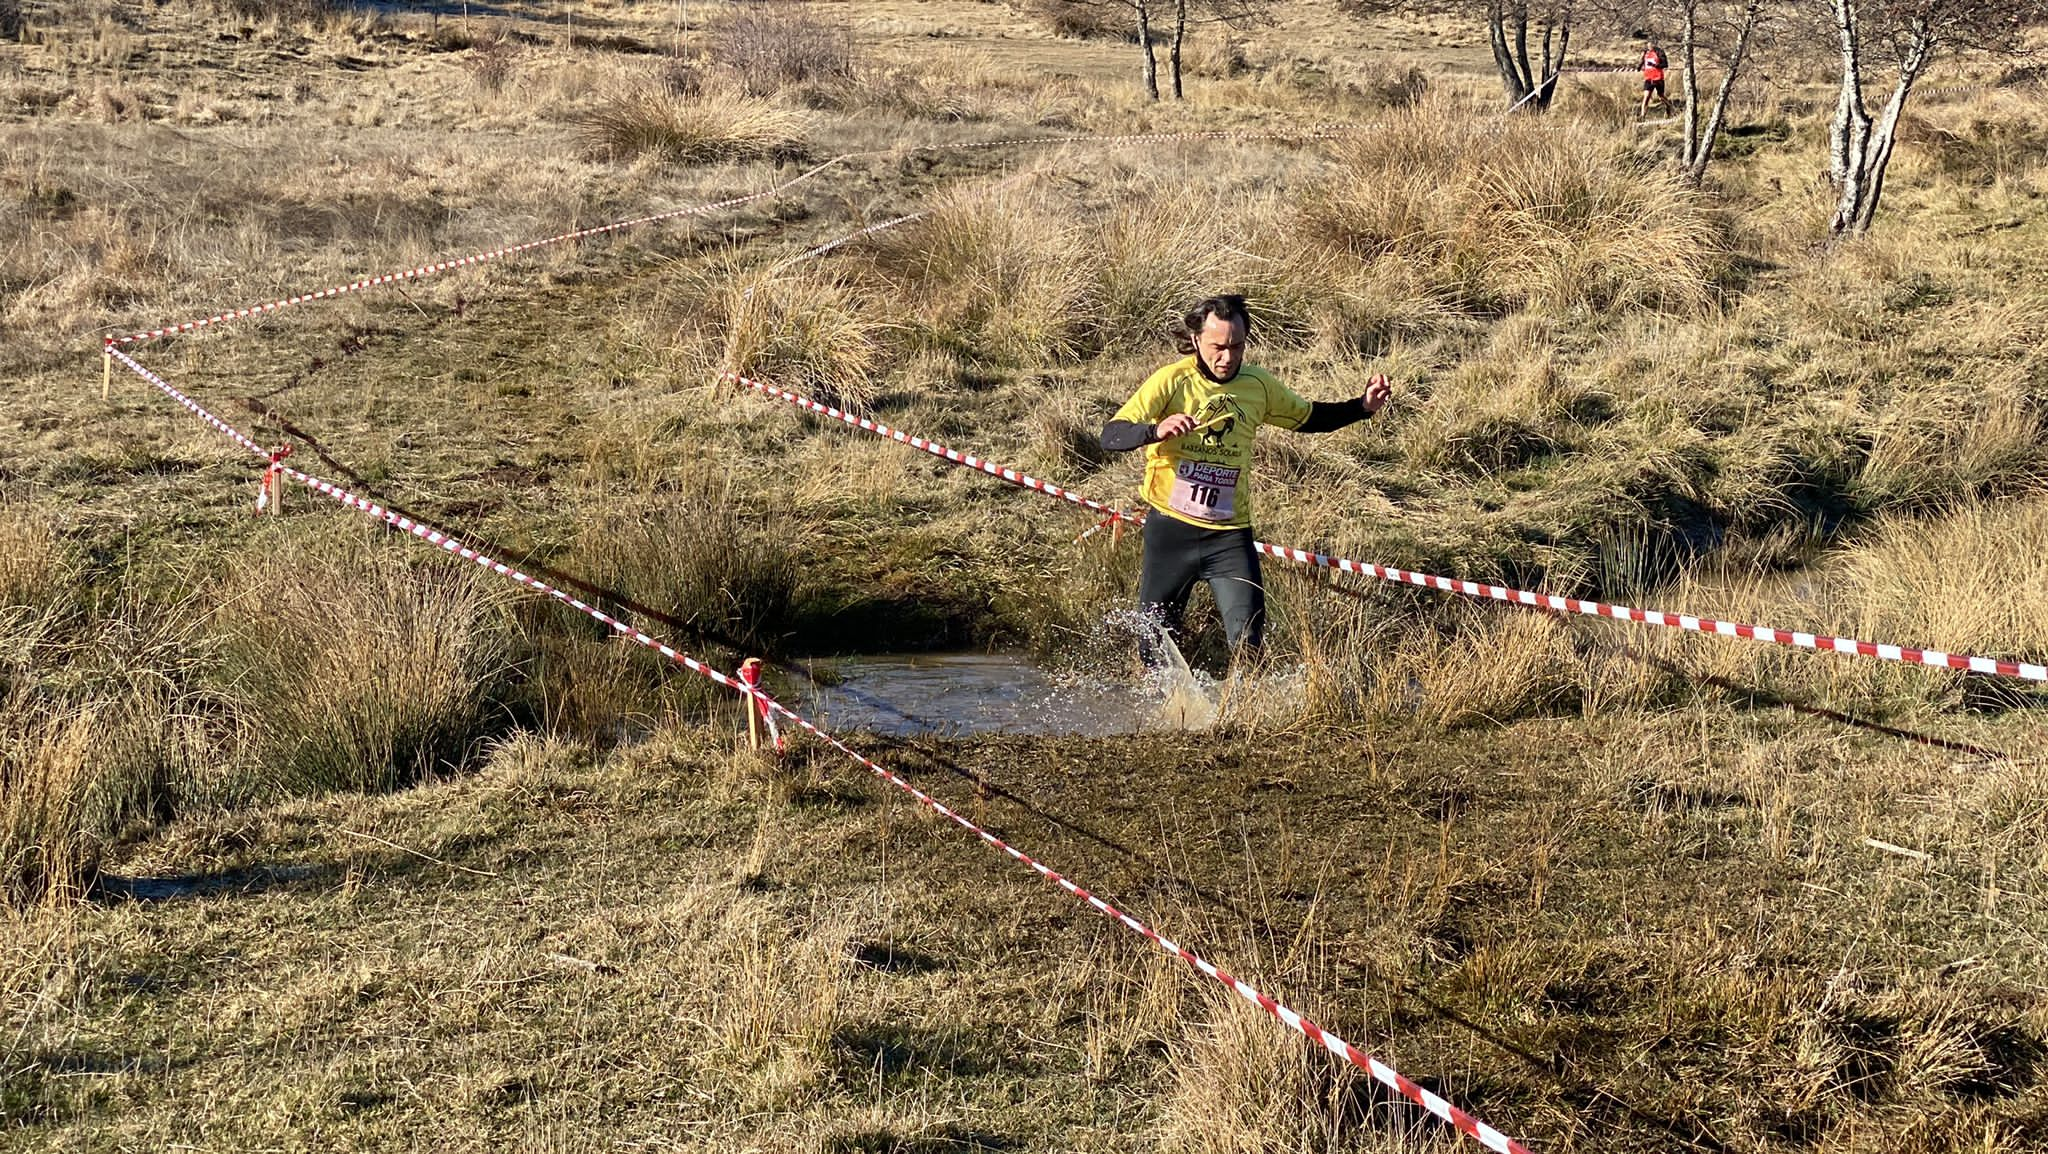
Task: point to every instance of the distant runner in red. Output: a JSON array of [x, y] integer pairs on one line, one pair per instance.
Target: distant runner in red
[[1654, 64], [1196, 418]]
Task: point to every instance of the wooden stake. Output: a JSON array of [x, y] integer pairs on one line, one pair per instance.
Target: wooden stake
[[750, 676], [106, 372]]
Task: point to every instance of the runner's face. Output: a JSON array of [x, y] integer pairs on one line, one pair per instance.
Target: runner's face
[[1220, 344]]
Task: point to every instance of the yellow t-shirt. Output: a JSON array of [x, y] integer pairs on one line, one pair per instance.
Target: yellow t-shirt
[[1204, 476]]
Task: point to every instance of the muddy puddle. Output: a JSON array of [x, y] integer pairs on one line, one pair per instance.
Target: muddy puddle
[[965, 694], [968, 694]]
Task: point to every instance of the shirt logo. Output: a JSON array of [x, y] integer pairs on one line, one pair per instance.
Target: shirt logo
[[1217, 417]]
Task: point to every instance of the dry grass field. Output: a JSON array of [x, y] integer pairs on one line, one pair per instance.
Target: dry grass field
[[312, 837]]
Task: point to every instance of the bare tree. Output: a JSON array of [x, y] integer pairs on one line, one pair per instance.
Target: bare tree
[[1507, 25], [1143, 11], [1228, 13], [1726, 31], [1906, 36]]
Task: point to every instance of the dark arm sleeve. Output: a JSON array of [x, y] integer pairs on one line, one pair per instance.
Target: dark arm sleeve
[[1123, 436], [1329, 416]]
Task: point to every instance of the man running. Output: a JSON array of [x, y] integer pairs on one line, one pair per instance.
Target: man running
[[1654, 64], [1198, 416]]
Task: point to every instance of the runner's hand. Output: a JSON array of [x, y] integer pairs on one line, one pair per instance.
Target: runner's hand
[[1377, 393], [1172, 427]]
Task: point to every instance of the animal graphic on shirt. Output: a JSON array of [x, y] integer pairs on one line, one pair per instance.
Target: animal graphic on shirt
[[1217, 417]]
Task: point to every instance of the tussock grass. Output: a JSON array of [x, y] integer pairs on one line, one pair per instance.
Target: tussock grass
[[1081, 20], [956, 87], [493, 61], [697, 557], [1496, 414], [1488, 665], [296, 11], [1160, 249], [1906, 582], [1515, 216], [360, 671], [73, 774], [1242, 1086], [1024, 275], [804, 329], [32, 562], [102, 716], [1000, 271], [673, 128]]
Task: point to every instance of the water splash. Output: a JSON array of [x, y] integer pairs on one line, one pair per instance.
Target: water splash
[[1095, 690], [1185, 698]]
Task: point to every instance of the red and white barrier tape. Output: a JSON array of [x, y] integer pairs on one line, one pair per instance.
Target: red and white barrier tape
[[1465, 1123], [426, 270], [1317, 132], [442, 266], [426, 532], [969, 460], [1386, 1075], [1933, 658]]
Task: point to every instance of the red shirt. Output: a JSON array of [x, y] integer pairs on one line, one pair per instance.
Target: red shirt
[[1653, 65]]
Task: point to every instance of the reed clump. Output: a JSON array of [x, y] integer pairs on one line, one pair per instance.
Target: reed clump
[[708, 127], [379, 672]]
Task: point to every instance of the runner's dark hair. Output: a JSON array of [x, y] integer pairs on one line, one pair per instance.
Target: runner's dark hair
[[1229, 306]]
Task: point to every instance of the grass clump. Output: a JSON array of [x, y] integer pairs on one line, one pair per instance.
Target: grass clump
[[1243, 1085], [1000, 272], [804, 329], [1517, 216], [699, 560], [1911, 582], [360, 671], [679, 128], [1078, 20], [492, 61], [31, 558], [101, 715], [1495, 414], [73, 774]]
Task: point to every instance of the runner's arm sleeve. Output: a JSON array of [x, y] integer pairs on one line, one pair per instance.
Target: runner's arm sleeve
[[1329, 416], [1123, 436], [1132, 426]]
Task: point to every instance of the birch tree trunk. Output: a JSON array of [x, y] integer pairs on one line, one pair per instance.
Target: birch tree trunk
[[1696, 169], [1507, 27], [1512, 78], [1180, 35], [1852, 124], [1859, 149], [1688, 80], [1144, 15], [1553, 65]]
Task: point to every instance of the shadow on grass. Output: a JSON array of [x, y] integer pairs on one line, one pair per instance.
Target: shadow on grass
[[253, 880], [949, 1140], [889, 1050]]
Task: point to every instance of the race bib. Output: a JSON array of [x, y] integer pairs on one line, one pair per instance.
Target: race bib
[[1204, 491]]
